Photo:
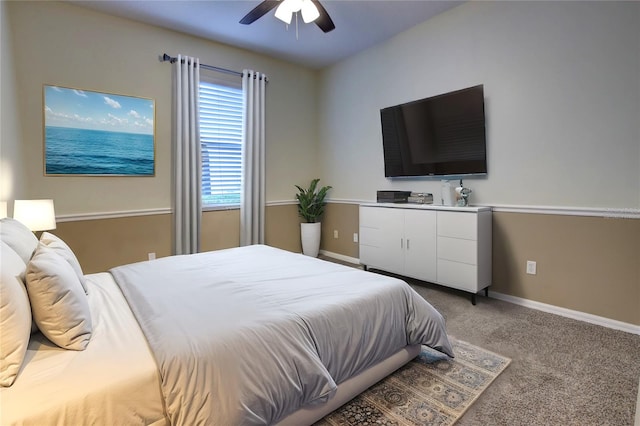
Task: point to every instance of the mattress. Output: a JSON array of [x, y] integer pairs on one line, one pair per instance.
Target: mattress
[[113, 381]]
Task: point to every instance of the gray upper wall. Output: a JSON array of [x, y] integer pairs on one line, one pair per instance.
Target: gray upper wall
[[562, 99], [62, 44], [562, 89]]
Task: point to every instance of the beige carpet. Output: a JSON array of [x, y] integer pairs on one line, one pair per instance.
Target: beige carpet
[[430, 390]]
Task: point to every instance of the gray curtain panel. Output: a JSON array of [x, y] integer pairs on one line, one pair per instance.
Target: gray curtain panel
[[253, 159], [187, 199]]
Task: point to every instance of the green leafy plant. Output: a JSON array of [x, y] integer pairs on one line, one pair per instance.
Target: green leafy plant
[[311, 202]]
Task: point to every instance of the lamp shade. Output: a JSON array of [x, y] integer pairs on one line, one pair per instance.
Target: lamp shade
[[37, 215], [3, 209]]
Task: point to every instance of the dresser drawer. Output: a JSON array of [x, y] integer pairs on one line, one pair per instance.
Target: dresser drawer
[[458, 225], [370, 217], [458, 275], [370, 236], [458, 250]]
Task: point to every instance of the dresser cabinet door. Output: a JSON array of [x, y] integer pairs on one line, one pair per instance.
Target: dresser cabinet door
[[420, 244]]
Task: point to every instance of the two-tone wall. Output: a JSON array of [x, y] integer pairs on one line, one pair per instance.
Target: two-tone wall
[[562, 89], [588, 262], [562, 99]]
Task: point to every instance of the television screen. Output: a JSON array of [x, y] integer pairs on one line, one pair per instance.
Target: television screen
[[437, 136]]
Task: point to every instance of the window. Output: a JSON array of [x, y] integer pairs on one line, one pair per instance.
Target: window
[[221, 144]]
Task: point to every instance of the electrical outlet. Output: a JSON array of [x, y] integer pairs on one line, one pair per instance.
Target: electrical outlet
[[531, 267], [355, 237], [335, 233], [152, 256]]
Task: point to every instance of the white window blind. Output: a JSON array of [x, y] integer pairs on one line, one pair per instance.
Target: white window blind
[[221, 143]]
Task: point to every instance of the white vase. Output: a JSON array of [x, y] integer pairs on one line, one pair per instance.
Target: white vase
[[310, 235]]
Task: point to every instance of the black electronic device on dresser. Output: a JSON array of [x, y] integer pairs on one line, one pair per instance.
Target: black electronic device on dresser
[[393, 196]]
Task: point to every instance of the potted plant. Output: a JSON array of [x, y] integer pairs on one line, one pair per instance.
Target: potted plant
[[310, 207]]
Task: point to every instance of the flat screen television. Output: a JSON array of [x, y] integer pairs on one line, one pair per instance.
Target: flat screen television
[[443, 135]]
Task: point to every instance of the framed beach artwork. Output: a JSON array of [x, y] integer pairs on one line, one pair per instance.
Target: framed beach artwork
[[89, 133]]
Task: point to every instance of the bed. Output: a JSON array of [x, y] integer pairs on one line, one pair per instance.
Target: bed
[[250, 335]]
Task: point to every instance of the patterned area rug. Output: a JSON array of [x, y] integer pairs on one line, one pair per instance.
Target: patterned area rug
[[430, 390]]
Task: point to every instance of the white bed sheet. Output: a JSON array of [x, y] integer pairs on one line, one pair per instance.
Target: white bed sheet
[[114, 381]]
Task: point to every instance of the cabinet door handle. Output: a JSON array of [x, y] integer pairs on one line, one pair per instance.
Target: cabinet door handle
[[407, 244], [401, 243]]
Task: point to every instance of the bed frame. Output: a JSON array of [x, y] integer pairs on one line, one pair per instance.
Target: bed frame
[[351, 387]]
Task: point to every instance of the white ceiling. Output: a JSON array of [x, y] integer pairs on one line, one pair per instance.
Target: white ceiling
[[359, 24]]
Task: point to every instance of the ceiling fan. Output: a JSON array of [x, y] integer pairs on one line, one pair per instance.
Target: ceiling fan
[[311, 11]]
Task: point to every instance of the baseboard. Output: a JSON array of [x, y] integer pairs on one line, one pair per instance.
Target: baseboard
[[339, 256], [577, 315], [568, 313]]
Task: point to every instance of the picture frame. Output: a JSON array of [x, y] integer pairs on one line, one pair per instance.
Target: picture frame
[[91, 133]]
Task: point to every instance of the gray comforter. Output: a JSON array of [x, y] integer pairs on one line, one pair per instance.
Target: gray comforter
[[249, 335]]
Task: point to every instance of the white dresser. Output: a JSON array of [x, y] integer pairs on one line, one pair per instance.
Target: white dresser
[[449, 246]]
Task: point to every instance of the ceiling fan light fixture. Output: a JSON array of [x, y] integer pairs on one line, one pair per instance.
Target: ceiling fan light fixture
[[309, 11], [284, 13], [287, 8]]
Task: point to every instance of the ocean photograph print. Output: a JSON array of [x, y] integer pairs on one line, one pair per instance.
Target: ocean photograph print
[[89, 133]]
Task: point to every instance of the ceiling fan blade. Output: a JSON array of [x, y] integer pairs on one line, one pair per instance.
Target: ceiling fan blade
[[259, 11], [324, 21]]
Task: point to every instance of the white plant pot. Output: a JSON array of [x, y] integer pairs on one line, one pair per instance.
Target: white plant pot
[[310, 234]]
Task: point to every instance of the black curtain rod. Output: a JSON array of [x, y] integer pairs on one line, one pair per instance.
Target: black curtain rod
[[165, 58]]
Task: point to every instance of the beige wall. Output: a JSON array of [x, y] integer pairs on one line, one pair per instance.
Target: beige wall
[[282, 227], [101, 244], [585, 264], [220, 230], [341, 217], [104, 243]]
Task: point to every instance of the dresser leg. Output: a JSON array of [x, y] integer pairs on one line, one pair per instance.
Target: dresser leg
[[473, 299]]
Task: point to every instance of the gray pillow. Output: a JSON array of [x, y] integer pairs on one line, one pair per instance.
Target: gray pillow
[[15, 315], [58, 302], [65, 251], [18, 237]]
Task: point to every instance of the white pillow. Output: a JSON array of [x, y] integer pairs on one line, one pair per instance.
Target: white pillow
[[65, 251], [18, 237], [58, 303], [15, 315]]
